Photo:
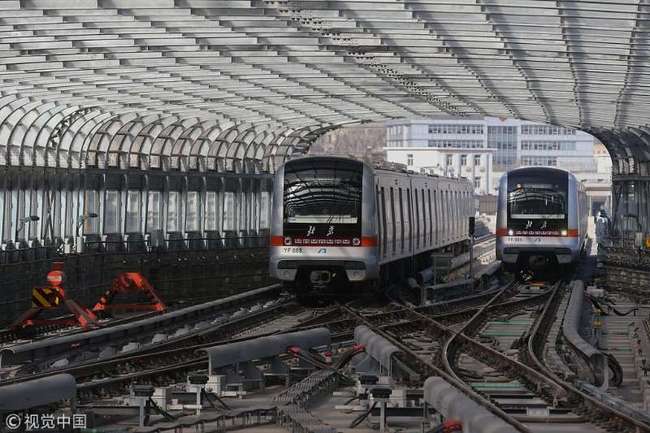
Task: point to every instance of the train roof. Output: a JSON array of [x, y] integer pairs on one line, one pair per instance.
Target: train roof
[[394, 167], [540, 169]]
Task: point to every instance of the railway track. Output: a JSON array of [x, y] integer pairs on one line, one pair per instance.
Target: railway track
[[446, 339], [40, 332], [610, 418], [519, 391], [112, 377], [181, 351], [185, 327], [104, 378]]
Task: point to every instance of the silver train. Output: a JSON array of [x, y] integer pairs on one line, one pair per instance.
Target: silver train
[[541, 219], [340, 219]]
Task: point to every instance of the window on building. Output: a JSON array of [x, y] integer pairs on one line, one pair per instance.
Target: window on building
[[504, 140], [459, 144], [409, 159], [449, 160], [477, 160], [548, 145], [539, 160], [456, 129], [477, 182], [463, 160]]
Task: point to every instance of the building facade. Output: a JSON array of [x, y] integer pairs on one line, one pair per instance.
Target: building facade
[[482, 149], [445, 147]]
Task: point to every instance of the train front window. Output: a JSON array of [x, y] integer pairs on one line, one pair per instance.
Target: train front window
[[537, 201], [322, 191]]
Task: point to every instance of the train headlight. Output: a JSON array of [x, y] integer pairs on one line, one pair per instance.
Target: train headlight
[[563, 233], [511, 232]]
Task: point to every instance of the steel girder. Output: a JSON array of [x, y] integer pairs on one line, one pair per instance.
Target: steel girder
[[156, 84]]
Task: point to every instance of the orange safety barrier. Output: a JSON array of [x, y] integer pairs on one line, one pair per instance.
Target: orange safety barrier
[[51, 297], [130, 282]]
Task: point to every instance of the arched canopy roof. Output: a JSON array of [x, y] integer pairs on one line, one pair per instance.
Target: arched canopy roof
[[198, 84]]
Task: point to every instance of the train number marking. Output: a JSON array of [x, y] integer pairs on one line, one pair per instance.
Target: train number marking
[[293, 250]]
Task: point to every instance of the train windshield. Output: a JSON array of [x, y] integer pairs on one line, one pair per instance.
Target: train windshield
[[537, 201], [322, 191]]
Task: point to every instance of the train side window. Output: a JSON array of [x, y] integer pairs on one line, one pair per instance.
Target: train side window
[[429, 217], [392, 220], [409, 220], [446, 211], [384, 231], [424, 218], [454, 213], [434, 218], [450, 213], [462, 207], [457, 210], [401, 220], [417, 218], [380, 222]]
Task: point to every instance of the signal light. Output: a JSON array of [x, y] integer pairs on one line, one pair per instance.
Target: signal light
[[563, 233]]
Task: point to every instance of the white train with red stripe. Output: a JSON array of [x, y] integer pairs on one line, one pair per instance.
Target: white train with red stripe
[[541, 219], [337, 218]]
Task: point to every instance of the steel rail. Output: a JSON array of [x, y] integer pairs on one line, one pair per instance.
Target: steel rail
[[182, 349], [450, 346], [418, 363], [510, 366], [537, 342], [36, 354]]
